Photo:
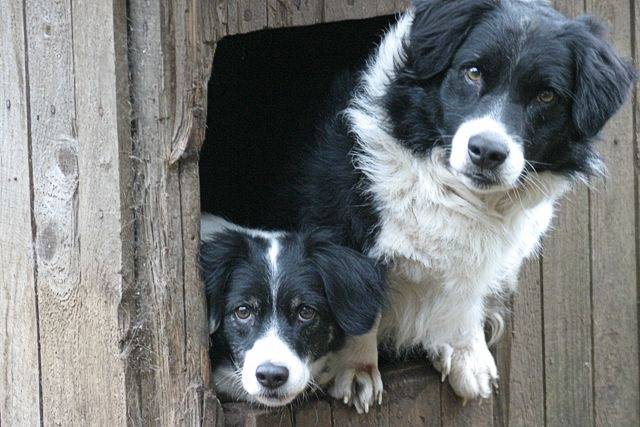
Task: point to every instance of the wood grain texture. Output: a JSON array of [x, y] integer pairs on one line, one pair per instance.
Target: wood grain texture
[[83, 370], [55, 197], [636, 104], [250, 15], [454, 412], [413, 395], [522, 381], [613, 259], [171, 56], [19, 365], [313, 414], [242, 415], [110, 356], [338, 10], [567, 314], [566, 276], [288, 13], [343, 415]]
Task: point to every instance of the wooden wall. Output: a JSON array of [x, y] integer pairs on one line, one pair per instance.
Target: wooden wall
[[102, 320], [101, 306]]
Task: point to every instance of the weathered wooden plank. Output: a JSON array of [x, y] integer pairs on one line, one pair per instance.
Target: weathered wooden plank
[[613, 260], [567, 315], [570, 8], [159, 252], [455, 412], [55, 195], [232, 16], [243, 415], [413, 396], [81, 309], [288, 13], [194, 58], [250, 15], [338, 10], [171, 48], [402, 5], [388, 7], [343, 415], [219, 19], [566, 304], [212, 412], [19, 365], [522, 380], [314, 413]]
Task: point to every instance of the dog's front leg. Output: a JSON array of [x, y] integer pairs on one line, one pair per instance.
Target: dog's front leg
[[356, 378], [466, 360]]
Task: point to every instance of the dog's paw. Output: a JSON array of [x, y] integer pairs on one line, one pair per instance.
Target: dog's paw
[[472, 371], [358, 386]]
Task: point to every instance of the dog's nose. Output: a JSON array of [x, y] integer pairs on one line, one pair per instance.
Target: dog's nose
[[487, 151], [272, 376]]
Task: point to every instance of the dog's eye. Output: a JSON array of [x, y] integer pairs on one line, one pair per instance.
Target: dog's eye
[[474, 74], [546, 97], [243, 312], [306, 313]]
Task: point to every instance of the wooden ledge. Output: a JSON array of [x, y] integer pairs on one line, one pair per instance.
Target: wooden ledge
[[414, 396]]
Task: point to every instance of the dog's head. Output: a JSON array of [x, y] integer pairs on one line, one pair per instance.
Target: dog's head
[[508, 87], [279, 304]]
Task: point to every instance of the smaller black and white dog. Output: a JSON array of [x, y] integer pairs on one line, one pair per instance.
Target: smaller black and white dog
[[280, 304]]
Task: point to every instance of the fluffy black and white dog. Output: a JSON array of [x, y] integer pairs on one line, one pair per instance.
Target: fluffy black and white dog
[[279, 305], [443, 160]]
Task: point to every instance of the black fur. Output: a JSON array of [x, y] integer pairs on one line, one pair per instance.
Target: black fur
[[439, 28], [352, 283], [603, 80], [522, 48], [428, 100], [344, 287], [218, 260], [331, 193]]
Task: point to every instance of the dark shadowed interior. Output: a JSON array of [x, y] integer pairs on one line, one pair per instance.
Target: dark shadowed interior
[[265, 94]]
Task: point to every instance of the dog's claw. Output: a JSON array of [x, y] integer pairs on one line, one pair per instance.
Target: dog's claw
[[464, 402], [359, 388], [443, 361]]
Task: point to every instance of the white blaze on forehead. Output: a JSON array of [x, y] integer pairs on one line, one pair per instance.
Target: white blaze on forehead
[[271, 348], [272, 255]]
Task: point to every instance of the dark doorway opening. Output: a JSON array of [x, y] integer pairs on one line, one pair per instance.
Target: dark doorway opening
[[265, 94]]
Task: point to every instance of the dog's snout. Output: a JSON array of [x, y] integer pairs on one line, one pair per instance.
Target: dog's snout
[[272, 376], [487, 151]]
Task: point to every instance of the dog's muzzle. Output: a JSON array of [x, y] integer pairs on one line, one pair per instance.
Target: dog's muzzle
[[485, 156]]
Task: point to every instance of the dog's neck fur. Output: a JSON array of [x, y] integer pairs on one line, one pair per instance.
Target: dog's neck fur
[[394, 172]]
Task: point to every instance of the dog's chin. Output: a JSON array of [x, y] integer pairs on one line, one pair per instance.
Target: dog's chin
[[274, 399], [482, 183]]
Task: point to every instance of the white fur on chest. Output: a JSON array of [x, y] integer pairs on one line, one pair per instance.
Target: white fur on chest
[[457, 243], [449, 252], [449, 248]]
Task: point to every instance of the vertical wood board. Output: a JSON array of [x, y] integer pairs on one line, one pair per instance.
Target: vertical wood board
[[19, 359], [613, 245]]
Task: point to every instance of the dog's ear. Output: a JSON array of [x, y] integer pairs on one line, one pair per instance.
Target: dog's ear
[[439, 28], [603, 80], [218, 257], [354, 284]]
